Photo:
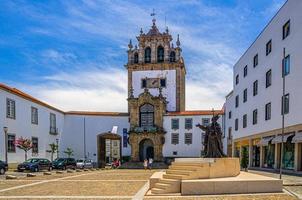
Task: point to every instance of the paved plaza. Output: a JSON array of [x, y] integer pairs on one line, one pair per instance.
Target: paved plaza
[[103, 184]]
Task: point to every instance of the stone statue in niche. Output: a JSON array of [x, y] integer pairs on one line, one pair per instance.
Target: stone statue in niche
[[213, 139]]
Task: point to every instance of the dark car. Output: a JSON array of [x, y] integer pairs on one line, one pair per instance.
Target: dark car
[[35, 165], [64, 163], [3, 167]]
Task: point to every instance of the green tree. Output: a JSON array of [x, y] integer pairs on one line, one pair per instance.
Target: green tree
[[68, 152], [53, 149], [24, 144], [244, 158]]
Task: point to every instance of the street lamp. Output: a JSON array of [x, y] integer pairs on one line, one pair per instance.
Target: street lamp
[[57, 141], [5, 129]]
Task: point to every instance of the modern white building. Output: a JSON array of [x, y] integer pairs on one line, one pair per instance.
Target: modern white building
[[253, 110], [157, 124]]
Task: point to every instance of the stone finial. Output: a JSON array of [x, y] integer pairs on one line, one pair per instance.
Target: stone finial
[[141, 31], [160, 89], [131, 92], [178, 42], [130, 44], [167, 30]]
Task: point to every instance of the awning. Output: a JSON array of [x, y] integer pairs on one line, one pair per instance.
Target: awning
[[297, 138], [278, 139], [264, 141]]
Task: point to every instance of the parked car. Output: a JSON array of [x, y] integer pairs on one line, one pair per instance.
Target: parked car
[[64, 163], [3, 167], [84, 164], [35, 165]]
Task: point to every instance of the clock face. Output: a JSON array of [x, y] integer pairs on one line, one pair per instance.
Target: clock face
[[152, 83]]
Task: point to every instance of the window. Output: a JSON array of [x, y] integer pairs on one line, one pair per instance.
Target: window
[[268, 81], [236, 124], [230, 133], [188, 123], [244, 95], [135, 57], [162, 82], [268, 47], [255, 60], [237, 79], [148, 55], [244, 121], [230, 114], [255, 116], [285, 103], [255, 88], [34, 115], [286, 65], [172, 56], [144, 83], [286, 29], [174, 138], [188, 138], [237, 101], [146, 116], [268, 111], [11, 148], [53, 125], [35, 146], [10, 109], [174, 124], [245, 71], [205, 121], [174, 153], [160, 54]]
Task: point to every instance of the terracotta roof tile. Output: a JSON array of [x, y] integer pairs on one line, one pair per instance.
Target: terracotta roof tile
[[195, 112], [96, 113]]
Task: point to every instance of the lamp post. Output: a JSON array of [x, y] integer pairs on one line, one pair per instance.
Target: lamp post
[[57, 141], [5, 129], [283, 107]]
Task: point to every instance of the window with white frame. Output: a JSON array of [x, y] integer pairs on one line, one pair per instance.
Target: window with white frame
[[174, 124], [11, 148], [188, 123], [35, 145], [205, 121], [34, 115], [188, 138], [10, 108], [174, 138], [53, 123]]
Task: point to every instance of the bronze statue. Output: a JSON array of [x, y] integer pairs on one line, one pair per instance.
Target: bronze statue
[[213, 139]]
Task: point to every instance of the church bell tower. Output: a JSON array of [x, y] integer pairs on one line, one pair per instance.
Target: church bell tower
[[156, 85]]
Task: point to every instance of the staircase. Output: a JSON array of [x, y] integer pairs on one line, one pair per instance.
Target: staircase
[[171, 180]]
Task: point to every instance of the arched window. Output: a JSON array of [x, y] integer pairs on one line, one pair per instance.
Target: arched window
[[135, 57], [172, 56], [146, 116], [148, 55], [160, 54]]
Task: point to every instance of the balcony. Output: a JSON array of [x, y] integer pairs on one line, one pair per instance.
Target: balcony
[[53, 131]]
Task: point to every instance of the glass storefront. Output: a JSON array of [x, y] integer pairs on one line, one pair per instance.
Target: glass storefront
[[256, 156], [269, 155], [289, 154]]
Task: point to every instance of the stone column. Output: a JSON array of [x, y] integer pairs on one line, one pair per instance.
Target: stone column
[[250, 152], [166, 53], [153, 53], [233, 149], [277, 151], [141, 54], [261, 156], [240, 152], [296, 165]]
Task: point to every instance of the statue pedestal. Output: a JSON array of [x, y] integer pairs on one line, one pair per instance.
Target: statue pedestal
[[200, 176]]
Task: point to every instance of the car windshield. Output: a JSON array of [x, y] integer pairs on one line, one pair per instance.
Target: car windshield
[[79, 160], [59, 159], [32, 160]]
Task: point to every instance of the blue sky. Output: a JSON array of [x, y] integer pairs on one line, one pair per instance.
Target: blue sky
[[71, 54]]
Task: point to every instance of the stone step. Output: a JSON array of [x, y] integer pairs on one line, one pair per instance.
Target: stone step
[[169, 181], [183, 167], [157, 191], [174, 176], [178, 172], [162, 185]]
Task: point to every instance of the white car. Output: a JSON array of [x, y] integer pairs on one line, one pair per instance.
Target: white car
[[84, 164]]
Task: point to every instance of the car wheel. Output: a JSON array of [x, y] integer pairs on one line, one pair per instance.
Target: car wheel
[[36, 169], [2, 171]]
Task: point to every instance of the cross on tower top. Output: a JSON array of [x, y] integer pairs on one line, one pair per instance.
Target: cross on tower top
[[153, 15]]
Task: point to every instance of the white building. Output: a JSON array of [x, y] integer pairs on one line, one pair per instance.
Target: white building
[[253, 110]]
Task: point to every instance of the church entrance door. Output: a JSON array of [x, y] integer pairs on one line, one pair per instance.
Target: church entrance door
[[146, 149]]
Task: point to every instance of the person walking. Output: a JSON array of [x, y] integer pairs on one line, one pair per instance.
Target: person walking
[[150, 163], [145, 164]]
